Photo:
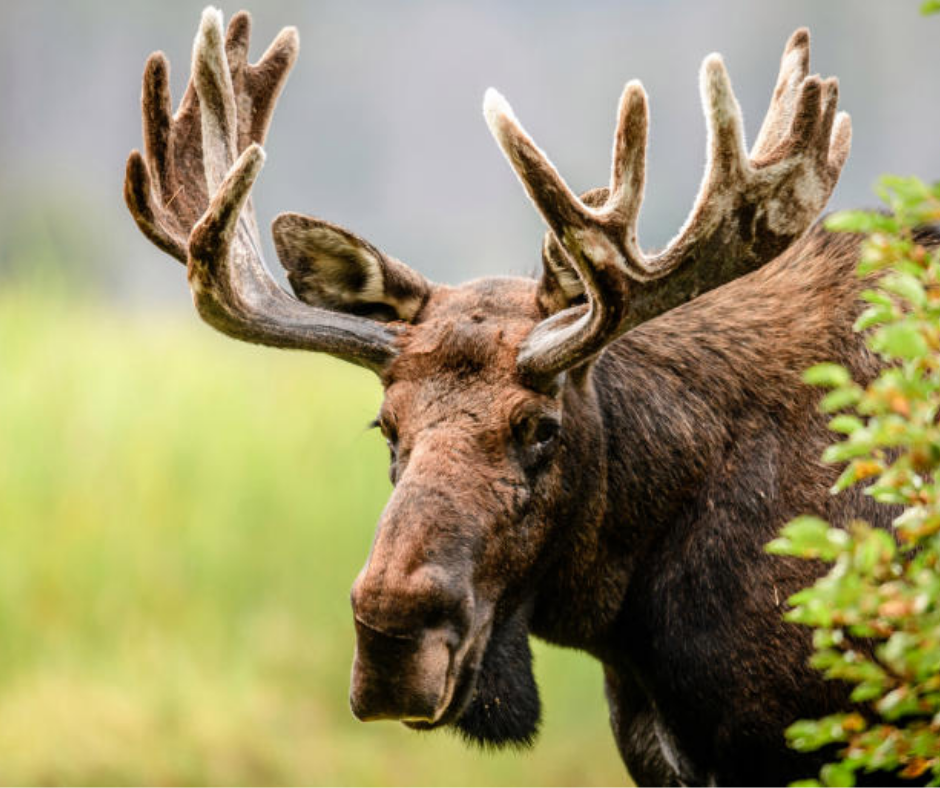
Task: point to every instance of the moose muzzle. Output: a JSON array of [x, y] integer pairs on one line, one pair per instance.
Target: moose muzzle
[[418, 646], [421, 621], [402, 677]]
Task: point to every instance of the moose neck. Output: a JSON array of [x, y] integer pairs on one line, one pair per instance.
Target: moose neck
[[690, 411], [622, 502]]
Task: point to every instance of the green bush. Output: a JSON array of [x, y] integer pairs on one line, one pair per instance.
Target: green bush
[[876, 614]]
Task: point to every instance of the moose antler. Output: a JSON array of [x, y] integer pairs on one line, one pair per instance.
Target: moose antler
[[190, 195], [748, 210]]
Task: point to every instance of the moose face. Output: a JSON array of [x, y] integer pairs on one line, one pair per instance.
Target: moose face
[[439, 608]]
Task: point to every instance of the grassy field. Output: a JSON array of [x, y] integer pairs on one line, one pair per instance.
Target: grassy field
[[181, 518]]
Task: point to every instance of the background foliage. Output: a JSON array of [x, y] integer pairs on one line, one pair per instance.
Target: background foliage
[[182, 518]]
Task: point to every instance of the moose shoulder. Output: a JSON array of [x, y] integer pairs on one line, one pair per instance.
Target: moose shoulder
[[596, 457]]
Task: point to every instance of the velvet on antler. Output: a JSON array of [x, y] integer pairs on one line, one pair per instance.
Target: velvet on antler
[[189, 194], [748, 210]]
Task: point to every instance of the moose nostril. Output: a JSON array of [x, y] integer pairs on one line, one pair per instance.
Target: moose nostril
[[448, 596]]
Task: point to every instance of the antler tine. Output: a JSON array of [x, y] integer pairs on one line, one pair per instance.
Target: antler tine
[[628, 162], [216, 94], [141, 196], [227, 110], [726, 171], [262, 81], [794, 66], [146, 196], [559, 206], [727, 158], [748, 210], [157, 111], [577, 333], [164, 188]]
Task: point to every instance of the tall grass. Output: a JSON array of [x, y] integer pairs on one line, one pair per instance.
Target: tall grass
[[181, 517]]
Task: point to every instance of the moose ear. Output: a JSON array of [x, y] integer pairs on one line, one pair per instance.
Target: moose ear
[[331, 268]]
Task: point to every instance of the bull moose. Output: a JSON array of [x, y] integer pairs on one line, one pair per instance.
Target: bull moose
[[596, 457]]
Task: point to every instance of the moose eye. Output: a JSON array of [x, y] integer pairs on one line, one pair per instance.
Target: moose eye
[[535, 442], [390, 434], [545, 430], [536, 431], [388, 431], [391, 439]]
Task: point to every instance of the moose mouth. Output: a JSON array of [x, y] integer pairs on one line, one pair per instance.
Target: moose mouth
[[486, 691], [466, 680], [464, 689], [422, 678]]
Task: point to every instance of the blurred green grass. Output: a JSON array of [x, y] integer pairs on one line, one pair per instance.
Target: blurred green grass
[[181, 518]]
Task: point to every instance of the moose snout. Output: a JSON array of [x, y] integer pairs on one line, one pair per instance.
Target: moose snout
[[409, 632], [398, 677]]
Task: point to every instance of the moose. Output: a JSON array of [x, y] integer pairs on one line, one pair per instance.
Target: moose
[[596, 457]]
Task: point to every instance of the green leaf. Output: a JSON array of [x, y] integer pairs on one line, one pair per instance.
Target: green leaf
[[847, 478], [840, 399], [828, 375], [867, 690], [887, 495], [861, 222], [874, 549], [837, 774], [846, 424], [906, 285], [901, 340], [903, 190], [876, 297], [930, 7], [897, 703], [847, 450], [810, 537], [873, 316]]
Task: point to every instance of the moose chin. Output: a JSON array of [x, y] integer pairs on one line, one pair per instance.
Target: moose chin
[[490, 696], [595, 457]]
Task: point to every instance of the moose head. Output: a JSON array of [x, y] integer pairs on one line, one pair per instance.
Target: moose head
[[501, 442]]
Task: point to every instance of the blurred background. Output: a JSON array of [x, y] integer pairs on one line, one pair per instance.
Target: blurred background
[[181, 516]]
